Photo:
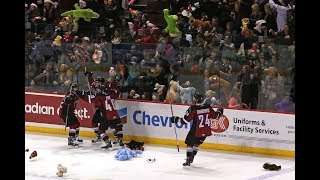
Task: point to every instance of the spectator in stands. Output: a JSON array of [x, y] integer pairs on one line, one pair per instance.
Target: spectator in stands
[[199, 50], [161, 91], [110, 13], [126, 83], [230, 31], [116, 38], [133, 95], [248, 38], [144, 85], [285, 105], [47, 77], [210, 98], [30, 14], [249, 87], [215, 27], [187, 92], [228, 48], [256, 15], [226, 68], [282, 12], [270, 18], [64, 76], [134, 67], [150, 36], [207, 82], [235, 100], [284, 37], [50, 16], [273, 87]]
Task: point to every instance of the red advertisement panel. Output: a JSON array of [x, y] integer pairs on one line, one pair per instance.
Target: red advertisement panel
[[44, 108]]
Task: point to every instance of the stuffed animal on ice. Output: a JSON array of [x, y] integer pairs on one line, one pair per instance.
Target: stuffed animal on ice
[[61, 170], [86, 14], [171, 23], [126, 154], [136, 145]]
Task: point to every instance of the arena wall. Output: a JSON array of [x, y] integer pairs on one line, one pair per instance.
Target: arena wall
[[261, 132]]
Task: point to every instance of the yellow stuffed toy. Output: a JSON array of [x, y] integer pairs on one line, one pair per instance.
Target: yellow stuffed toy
[[245, 22]]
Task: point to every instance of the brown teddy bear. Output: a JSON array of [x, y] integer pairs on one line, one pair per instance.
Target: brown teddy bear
[[271, 167], [33, 154], [135, 145], [61, 170], [173, 93], [218, 82], [197, 23], [57, 41]]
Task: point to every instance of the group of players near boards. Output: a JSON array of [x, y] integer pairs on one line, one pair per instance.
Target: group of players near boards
[[106, 115]]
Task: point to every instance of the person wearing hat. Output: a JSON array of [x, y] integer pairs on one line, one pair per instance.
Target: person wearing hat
[[50, 16]]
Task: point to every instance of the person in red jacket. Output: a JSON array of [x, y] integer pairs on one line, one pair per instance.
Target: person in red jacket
[[67, 114], [94, 83], [201, 115], [105, 101]]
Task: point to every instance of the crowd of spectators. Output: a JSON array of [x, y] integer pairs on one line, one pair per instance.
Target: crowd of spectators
[[233, 63]]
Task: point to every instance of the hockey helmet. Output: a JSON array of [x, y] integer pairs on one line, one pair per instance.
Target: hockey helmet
[[198, 97], [100, 79], [118, 78], [101, 87], [73, 85], [108, 89]]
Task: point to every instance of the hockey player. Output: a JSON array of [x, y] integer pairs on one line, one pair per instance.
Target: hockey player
[[67, 114], [200, 114], [94, 83], [110, 117]]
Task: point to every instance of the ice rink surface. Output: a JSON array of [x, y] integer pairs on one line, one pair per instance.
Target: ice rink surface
[[89, 162]]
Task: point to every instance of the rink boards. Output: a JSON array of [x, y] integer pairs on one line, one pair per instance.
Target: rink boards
[[238, 130]]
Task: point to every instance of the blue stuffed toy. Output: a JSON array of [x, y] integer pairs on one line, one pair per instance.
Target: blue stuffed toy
[[126, 154]]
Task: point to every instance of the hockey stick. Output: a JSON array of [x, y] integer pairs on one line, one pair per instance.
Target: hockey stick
[[174, 127], [65, 127], [85, 70]]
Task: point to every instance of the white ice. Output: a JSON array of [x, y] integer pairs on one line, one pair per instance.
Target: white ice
[[89, 162]]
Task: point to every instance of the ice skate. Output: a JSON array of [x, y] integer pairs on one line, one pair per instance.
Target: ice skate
[[97, 139], [115, 143], [118, 144], [79, 139], [121, 144], [188, 161], [116, 140], [191, 159], [72, 142], [108, 145]]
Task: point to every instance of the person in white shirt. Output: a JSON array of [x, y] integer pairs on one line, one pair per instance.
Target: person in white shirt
[[282, 12]]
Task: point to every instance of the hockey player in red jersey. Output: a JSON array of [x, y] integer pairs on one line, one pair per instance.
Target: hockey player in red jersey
[[105, 101], [200, 114], [94, 83], [67, 114]]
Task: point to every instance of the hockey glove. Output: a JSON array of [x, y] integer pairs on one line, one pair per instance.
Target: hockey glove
[[220, 111], [88, 74], [174, 119]]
